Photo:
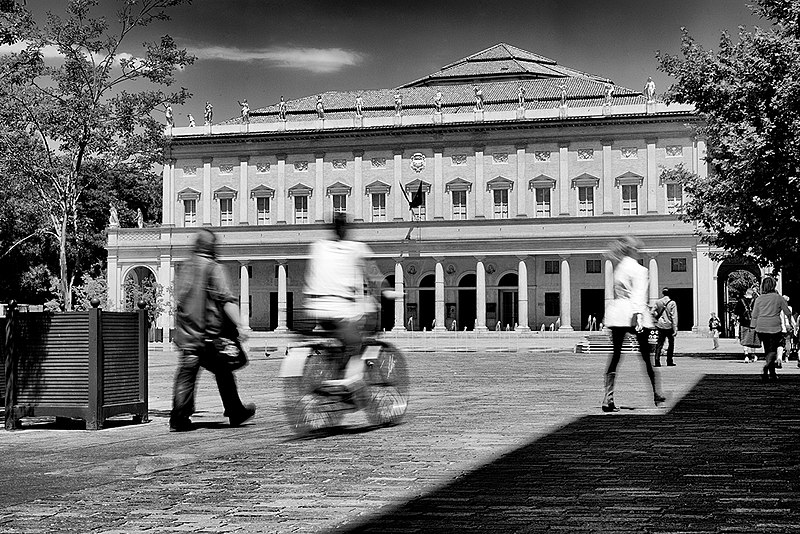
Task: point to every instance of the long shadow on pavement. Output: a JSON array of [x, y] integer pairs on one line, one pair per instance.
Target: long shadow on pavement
[[725, 459]]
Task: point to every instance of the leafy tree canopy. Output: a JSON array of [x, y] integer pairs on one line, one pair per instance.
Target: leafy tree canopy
[[748, 95], [77, 130]]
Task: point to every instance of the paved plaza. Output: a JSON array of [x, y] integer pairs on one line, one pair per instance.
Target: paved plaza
[[494, 442]]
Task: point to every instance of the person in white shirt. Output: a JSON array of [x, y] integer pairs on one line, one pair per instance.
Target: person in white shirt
[[336, 275], [628, 313]]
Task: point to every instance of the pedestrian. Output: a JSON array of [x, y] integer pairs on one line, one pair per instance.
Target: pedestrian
[[714, 326], [594, 323], [665, 315], [743, 312], [205, 308], [628, 313], [787, 328], [766, 319]]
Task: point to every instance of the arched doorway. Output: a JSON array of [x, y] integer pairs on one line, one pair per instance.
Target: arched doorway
[[140, 283], [508, 300], [387, 305], [427, 302], [466, 302], [733, 279]]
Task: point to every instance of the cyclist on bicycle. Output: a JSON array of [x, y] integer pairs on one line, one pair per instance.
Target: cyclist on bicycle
[[336, 275]]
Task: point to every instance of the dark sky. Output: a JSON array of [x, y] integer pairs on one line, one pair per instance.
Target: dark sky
[[262, 49]]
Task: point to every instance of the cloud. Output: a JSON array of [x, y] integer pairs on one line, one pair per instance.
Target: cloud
[[318, 60], [50, 52]]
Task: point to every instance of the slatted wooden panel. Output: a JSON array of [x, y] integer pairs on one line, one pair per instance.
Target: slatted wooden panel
[[121, 367], [53, 365], [2, 356]]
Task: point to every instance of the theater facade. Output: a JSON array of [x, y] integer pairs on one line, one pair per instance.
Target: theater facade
[[527, 170]]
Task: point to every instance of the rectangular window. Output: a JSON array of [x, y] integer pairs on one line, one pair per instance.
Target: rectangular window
[[674, 197], [301, 210], [225, 211], [552, 266], [542, 202], [585, 201], [422, 210], [592, 266], [379, 207], [339, 203], [262, 210], [189, 212], [630, 199], [459, 205], [500, 203], [552, 304], [678, 265]]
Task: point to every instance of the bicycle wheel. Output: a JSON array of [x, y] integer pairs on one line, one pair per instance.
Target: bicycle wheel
[[388, 386], [306, 410]]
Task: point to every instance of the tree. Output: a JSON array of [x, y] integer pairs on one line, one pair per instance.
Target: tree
[[748, 97], [69, 124]]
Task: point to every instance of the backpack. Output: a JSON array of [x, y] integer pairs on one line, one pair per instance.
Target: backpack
[[657, 310]]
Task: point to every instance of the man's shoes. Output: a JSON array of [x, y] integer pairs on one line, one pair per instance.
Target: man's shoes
[[658, 400], [248, 411], [610, 407], [181, 425]]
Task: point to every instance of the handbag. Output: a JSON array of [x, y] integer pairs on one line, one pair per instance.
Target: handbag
[[748, 337], [229, 352]]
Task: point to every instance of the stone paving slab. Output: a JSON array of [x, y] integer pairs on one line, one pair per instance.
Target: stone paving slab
[[493, 443]]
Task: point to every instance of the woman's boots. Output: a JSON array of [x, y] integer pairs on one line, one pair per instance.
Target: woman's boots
[[608, 399]]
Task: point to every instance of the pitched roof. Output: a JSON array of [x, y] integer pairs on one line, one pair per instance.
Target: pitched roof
[[499, 71]]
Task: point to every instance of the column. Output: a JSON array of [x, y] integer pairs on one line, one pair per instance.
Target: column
[[480, 296], [608, 277], [703, 288], [439, 296], [566, 296], [480, 191], [438, 188], [607, 180], [244, 295], [281, 327], [112, 279], [280, 194], [244, 197], [653, 268], [170, 302], [358, 193], [522, 294], [319, 187], [701, 168], [651, 181], [521, 187], [164, 281], [399, 208], [563, 180], [206, 196], [695, 288], [168, 193], [399, 301]]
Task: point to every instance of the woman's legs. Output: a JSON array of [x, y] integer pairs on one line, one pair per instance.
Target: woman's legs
[[644, 349], [617, 337], [770, 342]]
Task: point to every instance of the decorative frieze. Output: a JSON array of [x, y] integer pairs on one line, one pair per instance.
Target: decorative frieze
[[458, 159], [674, 151], [339, 164], [378, 163], [262, 167], [629, 152], [585, 154], [542, 155], [226, 168], [500, 157], [189, 170], [301, 166]]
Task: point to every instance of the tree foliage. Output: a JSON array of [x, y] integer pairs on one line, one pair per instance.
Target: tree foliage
[[748, 95], [72, 128]]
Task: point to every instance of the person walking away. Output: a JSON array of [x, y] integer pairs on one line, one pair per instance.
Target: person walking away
[[204, 306], [628, 313], [743, 313], [666, 317], [787, 328], [766, 319], [714, 326]]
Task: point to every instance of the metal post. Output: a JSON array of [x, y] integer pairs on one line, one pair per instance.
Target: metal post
[[10, 366]]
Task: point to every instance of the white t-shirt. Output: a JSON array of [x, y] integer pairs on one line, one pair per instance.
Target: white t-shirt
[[335, 278], [631, 286]]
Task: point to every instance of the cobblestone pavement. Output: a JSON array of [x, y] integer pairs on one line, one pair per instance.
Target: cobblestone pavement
[[494, 442]]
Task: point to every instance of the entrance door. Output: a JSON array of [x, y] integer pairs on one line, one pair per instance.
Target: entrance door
[[685, 304], [467, 302], [509, 300], [427, 302], [592, 303], [273, 310]]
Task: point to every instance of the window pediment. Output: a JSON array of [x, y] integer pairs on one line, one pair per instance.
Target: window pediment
[[542, 182], [377, 187], [262, 191], [300, 190], [413, 186], [188, 194], [585, 180], [629, 178], [338, 188], [499, 182], [458, 184], [225, 192]]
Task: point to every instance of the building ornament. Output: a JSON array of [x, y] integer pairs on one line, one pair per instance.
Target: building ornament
[[189, 170], [412, 269], [301, 166], [417, 162], [629, 152], [339, 164], [226, 168], [500, 157], [378, 163], [542, 155], [585, 154], [674, 151], [458, 159], [262, 166]]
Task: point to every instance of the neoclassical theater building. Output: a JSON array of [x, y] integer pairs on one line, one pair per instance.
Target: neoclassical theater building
[[527, 170]]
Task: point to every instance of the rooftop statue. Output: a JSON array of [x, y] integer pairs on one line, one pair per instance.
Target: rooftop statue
[[168, 115], [437, 102], [245, 111], [398, 103], [320, 107], [359, 106], [521, 97], [113, 216], [282, 109], [563, 89], [650, 90], [191, 120], [609, 93], [139, 218], [208, 114], [478, 99]]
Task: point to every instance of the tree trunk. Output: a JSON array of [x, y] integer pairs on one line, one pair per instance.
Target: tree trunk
[[66, 293]]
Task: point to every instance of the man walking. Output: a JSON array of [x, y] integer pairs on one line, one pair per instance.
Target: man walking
[[666, 317]]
